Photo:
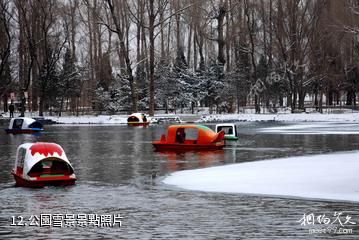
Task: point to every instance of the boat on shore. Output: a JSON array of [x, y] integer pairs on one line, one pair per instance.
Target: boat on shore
[[41, 164], [189, 137], [24, 125]]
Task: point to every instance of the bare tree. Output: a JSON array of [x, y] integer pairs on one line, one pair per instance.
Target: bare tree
[[5, 45]]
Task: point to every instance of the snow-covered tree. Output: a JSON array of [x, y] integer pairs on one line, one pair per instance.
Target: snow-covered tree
[[212, 85], [116, 98], [69, 84]]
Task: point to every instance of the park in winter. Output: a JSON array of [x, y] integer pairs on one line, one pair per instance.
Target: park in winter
[[179, 119]]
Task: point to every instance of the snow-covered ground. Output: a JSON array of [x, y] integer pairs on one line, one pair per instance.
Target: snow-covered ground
[[301, 117], [315, 128], [100, 119], [199, 118], [295, 117], [327, 176]]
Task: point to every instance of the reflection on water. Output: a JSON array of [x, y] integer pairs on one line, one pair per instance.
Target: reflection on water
[[119, 173], [190, 160]]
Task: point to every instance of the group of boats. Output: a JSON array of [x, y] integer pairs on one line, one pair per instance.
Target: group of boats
[[41, 163]]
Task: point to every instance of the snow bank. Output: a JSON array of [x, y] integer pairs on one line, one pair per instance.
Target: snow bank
[[100, 119], [327, 176], [121, 119], [341, 128], [295, 117]]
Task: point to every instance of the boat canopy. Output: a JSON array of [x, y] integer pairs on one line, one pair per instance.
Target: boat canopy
[[205, 135], [29, 154], [137, 117], [24, 123]]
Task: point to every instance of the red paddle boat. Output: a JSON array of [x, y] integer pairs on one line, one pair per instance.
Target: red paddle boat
[[41, 164], [190, 137]]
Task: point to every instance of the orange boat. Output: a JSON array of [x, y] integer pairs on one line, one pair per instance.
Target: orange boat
[[190, 137]]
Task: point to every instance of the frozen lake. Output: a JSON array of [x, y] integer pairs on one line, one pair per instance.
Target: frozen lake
[[119, 173]]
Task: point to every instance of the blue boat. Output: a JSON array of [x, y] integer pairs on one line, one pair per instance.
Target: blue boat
[[24, 125]]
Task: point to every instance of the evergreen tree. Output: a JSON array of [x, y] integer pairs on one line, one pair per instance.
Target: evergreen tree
[[47, 82], [212, 85], [69, 85]]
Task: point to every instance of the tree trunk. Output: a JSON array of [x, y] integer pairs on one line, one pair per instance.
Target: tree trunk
[[221, 42], [151, 30], [5, 98], [124, 51], [189, 43]]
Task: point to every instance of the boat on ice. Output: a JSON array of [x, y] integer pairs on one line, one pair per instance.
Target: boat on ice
[[137, 119], [24, 125], [230, 131], [41, 164], [190, 137]]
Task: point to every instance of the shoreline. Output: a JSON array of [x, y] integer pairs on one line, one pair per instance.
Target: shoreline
[[214, 118], [202, 119]]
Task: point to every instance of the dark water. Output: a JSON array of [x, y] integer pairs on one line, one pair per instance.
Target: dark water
[[119, 173]]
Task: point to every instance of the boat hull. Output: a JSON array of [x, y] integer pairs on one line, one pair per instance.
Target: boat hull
[[43, 181], [138, 123], [230, 138], [23, 131], [186, 147]]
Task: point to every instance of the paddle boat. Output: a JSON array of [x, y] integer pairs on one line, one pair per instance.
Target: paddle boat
[[190, 137], [24, 125], [41, 164], [230, 131], [137, 119]]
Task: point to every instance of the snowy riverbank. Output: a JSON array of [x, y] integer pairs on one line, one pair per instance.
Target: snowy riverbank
[[282, 117], [89, 119], [327, 176]]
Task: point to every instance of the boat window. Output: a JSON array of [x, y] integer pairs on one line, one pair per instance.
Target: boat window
[[191, 133], [133, 119], [180, 135], [51, 167], [226, 130], [21, 157], [35, 125], [17, 123]]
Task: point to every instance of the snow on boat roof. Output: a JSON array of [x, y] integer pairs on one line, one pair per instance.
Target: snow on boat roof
[[326, 176], [137, 115]]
